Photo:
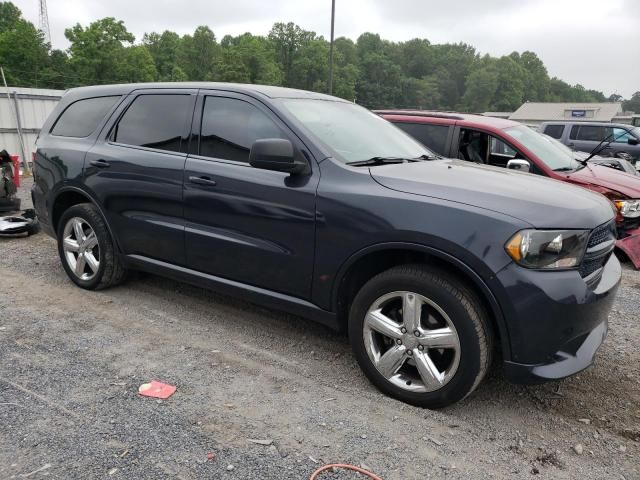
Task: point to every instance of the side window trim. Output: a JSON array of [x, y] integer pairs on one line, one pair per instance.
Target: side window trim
[[196, 126], [108, 130]]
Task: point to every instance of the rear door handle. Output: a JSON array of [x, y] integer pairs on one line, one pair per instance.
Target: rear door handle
[[100, 163], [206, 181]]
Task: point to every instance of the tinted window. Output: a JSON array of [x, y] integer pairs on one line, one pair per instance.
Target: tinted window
[[498, 147], [593, 133], [554, 131], [81, 118], [154, 121], [574, 132], [432, 136], [231, 126]]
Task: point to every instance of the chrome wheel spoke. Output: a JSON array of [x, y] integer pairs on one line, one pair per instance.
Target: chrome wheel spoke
[[411, 311], [70, 245], [80, 264], [392, 360], [78, 230], [438, 338], [429, 373], [91, 261], [382, 324], [91, 241]]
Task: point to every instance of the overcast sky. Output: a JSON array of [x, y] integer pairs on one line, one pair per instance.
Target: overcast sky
[[592, 42]]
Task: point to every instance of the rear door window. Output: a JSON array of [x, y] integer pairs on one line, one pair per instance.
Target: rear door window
[[81, 118], [433, 137], [230, 127], [155, 121], [554, 131], [593, 133]]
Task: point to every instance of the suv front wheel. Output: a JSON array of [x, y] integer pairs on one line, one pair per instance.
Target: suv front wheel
[[420, 335], [86, 249]]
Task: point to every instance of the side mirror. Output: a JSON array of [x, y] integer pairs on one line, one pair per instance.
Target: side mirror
[[632, 141], [276, 154], [519, 164]]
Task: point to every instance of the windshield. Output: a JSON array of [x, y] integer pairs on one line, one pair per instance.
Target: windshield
[[553, 154], [352, 133], [636, 132]]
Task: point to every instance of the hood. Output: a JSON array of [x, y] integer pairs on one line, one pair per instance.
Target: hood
[[539, 201], [627, 185]]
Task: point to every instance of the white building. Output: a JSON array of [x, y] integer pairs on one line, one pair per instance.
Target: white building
[[534, 113], [34, 106]]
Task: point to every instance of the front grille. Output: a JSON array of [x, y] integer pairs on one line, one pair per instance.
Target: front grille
[[602, 234], [597, 254], [590, 266]]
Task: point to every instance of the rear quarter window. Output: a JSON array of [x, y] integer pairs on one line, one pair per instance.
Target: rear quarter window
[[432, 136], [81, 118], [554, 131]]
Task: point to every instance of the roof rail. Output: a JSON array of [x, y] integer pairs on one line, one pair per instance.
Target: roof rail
[[422, 113]]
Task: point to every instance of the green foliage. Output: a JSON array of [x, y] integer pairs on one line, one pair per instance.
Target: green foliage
[[633, 104], [372, 71]]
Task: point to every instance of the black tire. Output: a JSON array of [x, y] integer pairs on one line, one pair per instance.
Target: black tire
[[111, 272], [464, 310]]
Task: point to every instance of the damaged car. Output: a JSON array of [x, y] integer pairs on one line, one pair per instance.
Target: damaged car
[[512, 145]]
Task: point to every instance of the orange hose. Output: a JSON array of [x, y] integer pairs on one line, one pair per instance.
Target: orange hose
[[315, 474]]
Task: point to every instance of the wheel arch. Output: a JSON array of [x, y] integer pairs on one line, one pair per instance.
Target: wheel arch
[[69, 196], [370, 261]]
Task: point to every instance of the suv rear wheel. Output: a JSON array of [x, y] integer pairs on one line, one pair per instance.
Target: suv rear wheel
[[86, 249], [420, 335]]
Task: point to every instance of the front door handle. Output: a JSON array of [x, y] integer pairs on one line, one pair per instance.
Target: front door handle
[[100, 163], [206, 181]]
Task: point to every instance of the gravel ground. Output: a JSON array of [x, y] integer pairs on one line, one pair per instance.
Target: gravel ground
[[71, 362]]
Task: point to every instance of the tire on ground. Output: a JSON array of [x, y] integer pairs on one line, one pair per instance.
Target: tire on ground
[[111, 272], [462, 306]]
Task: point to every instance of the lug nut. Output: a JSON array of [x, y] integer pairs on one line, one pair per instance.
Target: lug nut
[[416, 333], [403, 330], [399, 342], [420, 347], [409, 352]]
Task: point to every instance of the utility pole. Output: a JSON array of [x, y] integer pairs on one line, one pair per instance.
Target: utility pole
[[333, 18]]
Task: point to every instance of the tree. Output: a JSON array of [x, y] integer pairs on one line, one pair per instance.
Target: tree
[[633, 104], [249, 59], [23, 51], [95, 50], [481, 88], [199, 54], [135, 64], [164, 49], [287, 39]]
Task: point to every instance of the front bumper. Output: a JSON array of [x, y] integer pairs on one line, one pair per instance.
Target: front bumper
[[555, 321]]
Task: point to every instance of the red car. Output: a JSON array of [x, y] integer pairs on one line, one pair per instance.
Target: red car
[[505, 143]]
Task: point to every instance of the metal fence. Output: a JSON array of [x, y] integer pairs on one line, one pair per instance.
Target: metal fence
[[33, 106]]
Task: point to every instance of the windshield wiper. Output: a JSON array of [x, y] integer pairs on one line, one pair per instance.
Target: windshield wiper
[[564, 169], [606, 141], [378, 161]]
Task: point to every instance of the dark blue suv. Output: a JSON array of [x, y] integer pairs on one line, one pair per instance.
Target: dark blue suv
[[316, 206]]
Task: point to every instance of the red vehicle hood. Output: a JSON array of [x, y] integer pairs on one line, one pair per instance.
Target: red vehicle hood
[[602, 178]]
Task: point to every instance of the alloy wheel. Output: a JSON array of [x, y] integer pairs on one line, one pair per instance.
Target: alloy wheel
[[81, 248], [411, 341]]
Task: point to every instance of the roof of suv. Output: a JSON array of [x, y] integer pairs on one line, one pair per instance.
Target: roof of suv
[[593, 124], [265, 90], [426, 116]]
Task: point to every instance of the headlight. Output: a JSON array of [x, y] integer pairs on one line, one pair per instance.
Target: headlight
[[628, 208], [548, 249]]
